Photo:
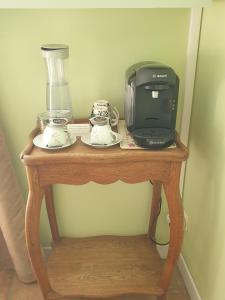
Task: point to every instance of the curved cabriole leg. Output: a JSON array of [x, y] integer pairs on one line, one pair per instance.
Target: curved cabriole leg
[[32, 230], [172, 192], [155, 206], [51, 212]]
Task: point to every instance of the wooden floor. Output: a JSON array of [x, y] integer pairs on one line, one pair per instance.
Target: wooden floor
[[12, 289]]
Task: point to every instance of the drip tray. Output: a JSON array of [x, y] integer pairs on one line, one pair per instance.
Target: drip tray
[[153, 137]]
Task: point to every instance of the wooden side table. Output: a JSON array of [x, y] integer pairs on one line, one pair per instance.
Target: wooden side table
[[103, 266]]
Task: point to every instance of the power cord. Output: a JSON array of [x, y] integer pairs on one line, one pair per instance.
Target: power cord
[[159, 211]]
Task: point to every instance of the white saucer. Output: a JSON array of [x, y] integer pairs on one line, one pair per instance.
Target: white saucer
[[86, 140], [39, 142]]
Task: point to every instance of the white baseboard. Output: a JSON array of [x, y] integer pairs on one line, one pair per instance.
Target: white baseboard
[[46, 250], [185, 273], [188, 280], [162, 250]]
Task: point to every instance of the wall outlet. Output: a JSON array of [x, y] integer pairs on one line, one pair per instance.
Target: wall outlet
[[185, 220], [168, 218]]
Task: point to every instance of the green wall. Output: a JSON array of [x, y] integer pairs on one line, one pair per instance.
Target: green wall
[[204, 245], [103, 44]]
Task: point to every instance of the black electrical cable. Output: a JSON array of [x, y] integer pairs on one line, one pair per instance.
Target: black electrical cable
[[151, 238]]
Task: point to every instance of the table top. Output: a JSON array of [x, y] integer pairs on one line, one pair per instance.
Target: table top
[[81, 153]]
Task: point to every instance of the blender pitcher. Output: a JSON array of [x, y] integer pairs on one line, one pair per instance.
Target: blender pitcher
[[58, 100]]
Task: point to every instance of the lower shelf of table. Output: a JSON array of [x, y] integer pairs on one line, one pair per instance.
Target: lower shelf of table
[[105, 266]]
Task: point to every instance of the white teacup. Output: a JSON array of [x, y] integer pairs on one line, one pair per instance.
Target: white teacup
[[102, 108], [101, 132], [55, 134]]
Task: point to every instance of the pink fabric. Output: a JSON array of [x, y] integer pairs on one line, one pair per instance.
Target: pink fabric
[[12, 212]]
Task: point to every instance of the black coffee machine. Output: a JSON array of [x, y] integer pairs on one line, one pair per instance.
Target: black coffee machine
[[151, 104]]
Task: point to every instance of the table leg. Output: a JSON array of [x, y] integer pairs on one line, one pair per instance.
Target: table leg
[[32, 230], [51, 212], [155, 206], [173, 197]]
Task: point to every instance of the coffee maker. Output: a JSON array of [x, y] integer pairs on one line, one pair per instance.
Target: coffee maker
[[151, 104]]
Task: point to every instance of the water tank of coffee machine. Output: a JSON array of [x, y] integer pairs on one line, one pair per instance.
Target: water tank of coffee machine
[[151, 104]]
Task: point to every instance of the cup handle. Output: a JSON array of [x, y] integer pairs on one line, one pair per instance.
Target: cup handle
[[68, 136], [114, 134], [116, 114]]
